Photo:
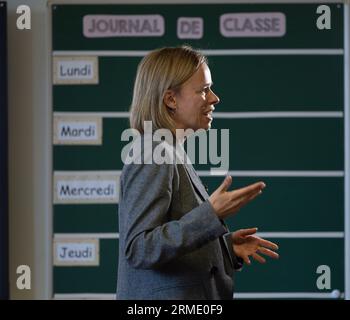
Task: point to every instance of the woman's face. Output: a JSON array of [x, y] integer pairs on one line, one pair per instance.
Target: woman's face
[[195, 101]]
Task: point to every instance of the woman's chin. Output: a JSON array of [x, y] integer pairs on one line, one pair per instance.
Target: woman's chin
[[208, 126]]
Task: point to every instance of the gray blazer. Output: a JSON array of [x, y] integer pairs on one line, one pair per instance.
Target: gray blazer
[[171, 244]]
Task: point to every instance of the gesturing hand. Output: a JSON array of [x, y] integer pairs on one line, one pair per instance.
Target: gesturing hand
[[226, 203], [246, 244]]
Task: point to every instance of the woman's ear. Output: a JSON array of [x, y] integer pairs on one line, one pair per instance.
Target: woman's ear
[[170, 100]]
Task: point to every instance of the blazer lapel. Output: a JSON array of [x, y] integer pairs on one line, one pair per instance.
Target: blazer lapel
[[197, 183]]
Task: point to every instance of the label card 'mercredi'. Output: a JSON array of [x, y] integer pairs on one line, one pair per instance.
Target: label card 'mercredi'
[[78, 187], [75, 70], [77, 130], [76, 252]]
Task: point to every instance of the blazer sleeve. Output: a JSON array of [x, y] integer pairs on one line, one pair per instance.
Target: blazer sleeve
[[151, 239]]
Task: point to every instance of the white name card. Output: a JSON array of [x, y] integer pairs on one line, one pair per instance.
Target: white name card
[[75, 70], [264, 24], [76, 252], [77, 130], [85, 187]]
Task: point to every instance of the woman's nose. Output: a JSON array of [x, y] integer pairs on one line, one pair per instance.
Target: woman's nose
[[214, 99]]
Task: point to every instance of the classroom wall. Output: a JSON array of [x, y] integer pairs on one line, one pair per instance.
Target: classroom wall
[[29, 153], [30, 199]]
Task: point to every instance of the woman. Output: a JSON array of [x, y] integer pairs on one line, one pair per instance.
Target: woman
[[173, 242]]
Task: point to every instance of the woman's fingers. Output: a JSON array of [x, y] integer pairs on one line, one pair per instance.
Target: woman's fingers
[[262, 250], [241, 202], [225, 184], [249, 190], [268, 244], [246, 232], [268, 253], [248, 195], [226, 203], [258, 258], [246, 260]]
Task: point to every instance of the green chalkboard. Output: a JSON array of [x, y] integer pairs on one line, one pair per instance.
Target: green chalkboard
[[282, 98]]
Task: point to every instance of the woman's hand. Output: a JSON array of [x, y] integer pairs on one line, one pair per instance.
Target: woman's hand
[[246, 244], [226, 203]]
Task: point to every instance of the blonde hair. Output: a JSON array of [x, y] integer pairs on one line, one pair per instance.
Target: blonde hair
[[161, 70]]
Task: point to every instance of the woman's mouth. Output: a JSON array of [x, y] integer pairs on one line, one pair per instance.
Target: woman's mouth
[[209, 115]]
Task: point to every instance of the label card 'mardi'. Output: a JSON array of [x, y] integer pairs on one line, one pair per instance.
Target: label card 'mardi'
[[77, 130]]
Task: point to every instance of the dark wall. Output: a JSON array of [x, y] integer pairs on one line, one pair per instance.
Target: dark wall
[[4, 287]]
